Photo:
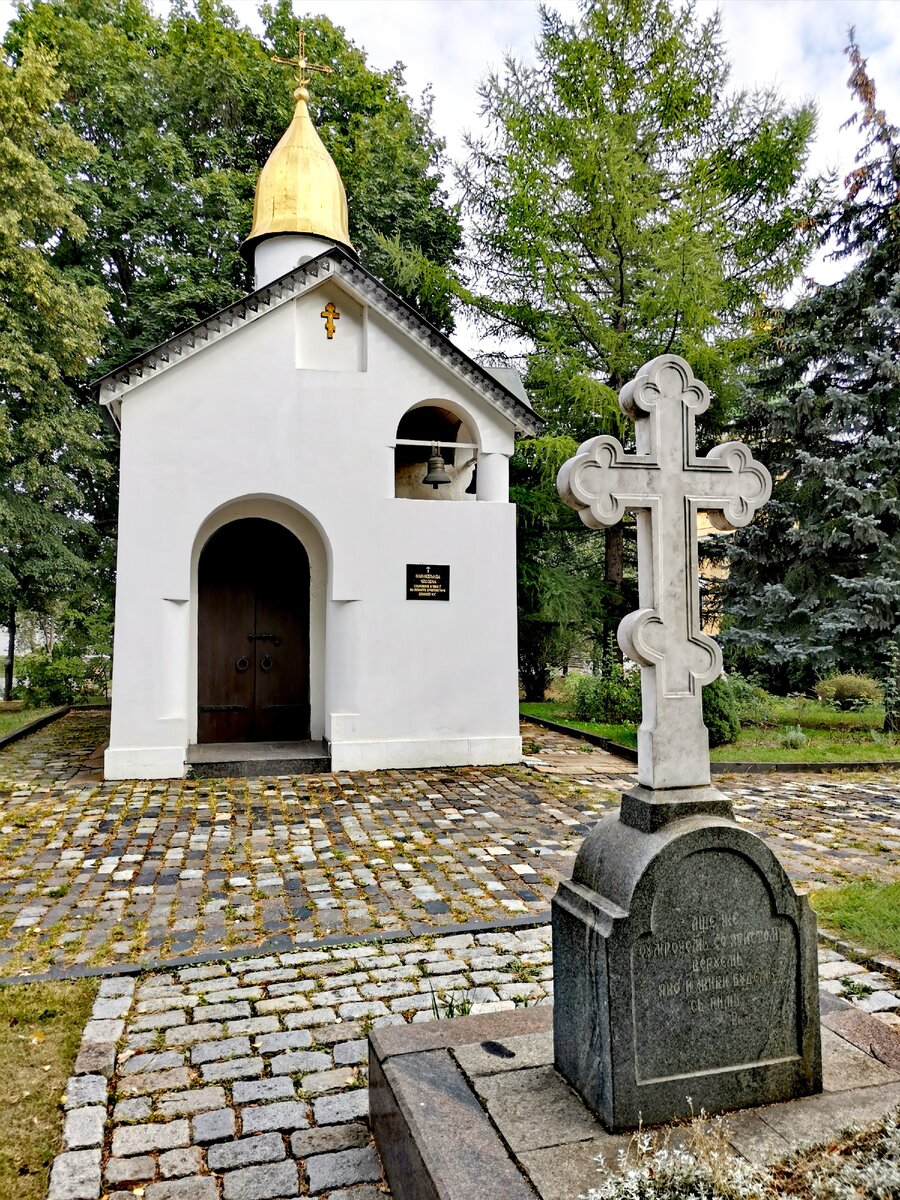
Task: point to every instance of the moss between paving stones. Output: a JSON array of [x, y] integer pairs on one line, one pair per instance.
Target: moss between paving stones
[[95, 873]]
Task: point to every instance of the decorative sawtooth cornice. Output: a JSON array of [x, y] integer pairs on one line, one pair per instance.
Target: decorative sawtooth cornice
[[112, 386]]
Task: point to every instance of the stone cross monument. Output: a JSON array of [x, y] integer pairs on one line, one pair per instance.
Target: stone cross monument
[[685, 964]]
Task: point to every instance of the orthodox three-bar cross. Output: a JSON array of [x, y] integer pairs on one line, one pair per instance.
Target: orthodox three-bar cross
[[301, 62], [665, 484]]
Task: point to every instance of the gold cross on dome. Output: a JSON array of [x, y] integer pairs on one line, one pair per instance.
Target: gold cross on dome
[[331, 314], [301, 62]]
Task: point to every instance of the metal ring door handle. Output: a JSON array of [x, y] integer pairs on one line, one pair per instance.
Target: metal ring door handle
[[241, 664], [265, 663]]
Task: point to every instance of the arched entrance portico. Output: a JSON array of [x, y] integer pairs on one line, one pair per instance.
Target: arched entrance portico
[[253, 679]]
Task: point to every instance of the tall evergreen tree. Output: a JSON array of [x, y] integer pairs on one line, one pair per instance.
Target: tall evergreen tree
[[50, 327], [622, 205], [815, 582]]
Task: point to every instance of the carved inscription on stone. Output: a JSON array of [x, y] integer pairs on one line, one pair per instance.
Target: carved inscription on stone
[[714, 983]]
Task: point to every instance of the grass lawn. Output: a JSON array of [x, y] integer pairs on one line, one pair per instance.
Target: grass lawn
[[40, 1029], [551, 710], [831, 736], [11, 721], [865, 913]]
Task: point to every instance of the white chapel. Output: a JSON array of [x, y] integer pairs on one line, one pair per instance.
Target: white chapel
[[316, 562]]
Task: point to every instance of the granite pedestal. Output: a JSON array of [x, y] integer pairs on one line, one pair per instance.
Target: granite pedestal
[[684, 964], [473, 1108]]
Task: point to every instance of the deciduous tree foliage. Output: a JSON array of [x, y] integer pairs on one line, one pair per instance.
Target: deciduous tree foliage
[[49, 328], [623, 205], [183, 111], [815, 582]]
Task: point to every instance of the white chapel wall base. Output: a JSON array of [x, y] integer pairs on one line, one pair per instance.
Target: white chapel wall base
[[445, 752], [144, 762]]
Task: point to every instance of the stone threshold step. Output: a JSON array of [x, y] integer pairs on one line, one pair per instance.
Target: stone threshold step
[[473, 1109], [244, 760]]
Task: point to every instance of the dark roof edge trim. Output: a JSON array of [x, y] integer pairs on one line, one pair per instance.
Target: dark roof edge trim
[[352, 269]]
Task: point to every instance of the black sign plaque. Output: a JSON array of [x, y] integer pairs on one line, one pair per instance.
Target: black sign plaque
[[427, 582]]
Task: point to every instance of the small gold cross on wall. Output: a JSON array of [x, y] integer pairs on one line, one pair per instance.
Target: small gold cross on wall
[[331, 314]]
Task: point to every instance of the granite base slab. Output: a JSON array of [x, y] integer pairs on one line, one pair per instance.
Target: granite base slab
[[473, 1108]]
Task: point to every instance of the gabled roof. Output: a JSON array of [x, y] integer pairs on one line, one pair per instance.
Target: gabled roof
[[506, 396]]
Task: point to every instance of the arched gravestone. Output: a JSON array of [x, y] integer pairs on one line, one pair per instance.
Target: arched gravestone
[[684, 962]]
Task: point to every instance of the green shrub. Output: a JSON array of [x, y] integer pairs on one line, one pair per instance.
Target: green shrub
[[849, 691], [793, 738], [608, 699], [720, 712], [50, 678], [753, 703]]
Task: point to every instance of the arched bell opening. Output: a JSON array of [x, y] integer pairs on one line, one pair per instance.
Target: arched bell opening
[[253, 677], [435, 456]]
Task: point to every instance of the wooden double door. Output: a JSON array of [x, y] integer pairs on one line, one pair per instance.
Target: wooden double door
[[253, 653]]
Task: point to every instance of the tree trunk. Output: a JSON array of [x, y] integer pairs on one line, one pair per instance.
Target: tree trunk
[[614, 574], [10, 654]]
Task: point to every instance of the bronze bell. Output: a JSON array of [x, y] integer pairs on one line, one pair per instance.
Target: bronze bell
[[437, 472]]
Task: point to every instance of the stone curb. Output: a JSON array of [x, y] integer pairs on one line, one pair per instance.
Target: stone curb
[[34, 726], [719, 768], [886, 963], [280, 945], [76, 1170], [795, 768]]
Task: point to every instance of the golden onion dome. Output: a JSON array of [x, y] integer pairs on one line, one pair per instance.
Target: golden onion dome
[[299, 189]]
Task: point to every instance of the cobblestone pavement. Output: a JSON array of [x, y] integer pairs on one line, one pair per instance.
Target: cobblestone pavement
[[248, 1080], [96, 873]]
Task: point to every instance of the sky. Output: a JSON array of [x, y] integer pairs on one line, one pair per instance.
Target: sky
[[793, 45]]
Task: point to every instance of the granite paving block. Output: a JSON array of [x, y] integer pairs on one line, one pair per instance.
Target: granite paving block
[[821, 1117], [137, 1109], [294, 1039], [213, 1126], [130, 1170], [186, 1104], [565, 1172], [255, 1091], [83, 1127], [490, 1056], [154, 1081], [327, 1139], [96, 1058], [152, 1062], [261, 1183], [342, 1168], [348, 1106], [296, 1061], [845, 1066], [195, 1187], [75, 1176], [285, 1115], [175, 1163], [245, 1152], [868, 1033], [235, 1047], [130, 1140], [561, 1116], [233, 1068], [417, 1099], [82, 1090]]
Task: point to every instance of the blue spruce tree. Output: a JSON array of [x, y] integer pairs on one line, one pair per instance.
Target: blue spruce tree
[[814, 583]]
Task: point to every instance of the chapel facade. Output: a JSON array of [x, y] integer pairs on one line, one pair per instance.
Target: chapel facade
[[316, 545]]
